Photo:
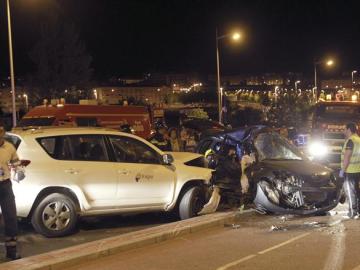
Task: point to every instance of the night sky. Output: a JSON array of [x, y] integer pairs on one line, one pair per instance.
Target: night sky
[[133, 37]]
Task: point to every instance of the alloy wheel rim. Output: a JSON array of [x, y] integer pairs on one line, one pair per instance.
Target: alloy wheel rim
[[56, 216]]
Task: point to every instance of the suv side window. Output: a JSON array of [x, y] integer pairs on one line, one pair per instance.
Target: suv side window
[[88, 147], [56, 147], [130, 150]]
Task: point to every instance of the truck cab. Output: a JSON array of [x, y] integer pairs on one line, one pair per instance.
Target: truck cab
[[327, 131]]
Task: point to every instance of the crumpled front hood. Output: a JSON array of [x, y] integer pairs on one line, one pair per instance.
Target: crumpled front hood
[[299, 167], [183, 157]]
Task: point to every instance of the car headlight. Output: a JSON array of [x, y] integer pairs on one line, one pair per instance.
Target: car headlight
[[318, 149]]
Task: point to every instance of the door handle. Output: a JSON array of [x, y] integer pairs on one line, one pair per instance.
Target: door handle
[[124, 172], [72, 171]]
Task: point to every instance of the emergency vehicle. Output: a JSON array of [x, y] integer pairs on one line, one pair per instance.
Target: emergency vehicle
[[328, 125], [110, 116]]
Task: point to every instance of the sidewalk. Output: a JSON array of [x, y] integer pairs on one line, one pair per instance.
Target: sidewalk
[[71, 256]]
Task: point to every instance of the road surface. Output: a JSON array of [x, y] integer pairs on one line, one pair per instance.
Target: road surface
[[253, 242]]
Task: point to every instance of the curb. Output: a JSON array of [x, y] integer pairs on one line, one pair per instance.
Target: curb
[[60, 259]]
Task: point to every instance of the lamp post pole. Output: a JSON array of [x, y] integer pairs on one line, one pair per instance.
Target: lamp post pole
[[315, 82], [352, 79], [11, 65], [218, 77]]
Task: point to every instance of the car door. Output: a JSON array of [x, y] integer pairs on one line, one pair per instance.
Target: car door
[[142, 179], [95, 174]]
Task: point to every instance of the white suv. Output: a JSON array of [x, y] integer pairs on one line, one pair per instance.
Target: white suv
[[93, 171]]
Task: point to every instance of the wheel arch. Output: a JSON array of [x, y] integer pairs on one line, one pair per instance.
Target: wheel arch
[[189, 184], [51, 190]]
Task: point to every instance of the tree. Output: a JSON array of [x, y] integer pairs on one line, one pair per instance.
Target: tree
[[61, 59]]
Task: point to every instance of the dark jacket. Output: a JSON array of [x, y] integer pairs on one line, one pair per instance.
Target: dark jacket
[[158, 140]]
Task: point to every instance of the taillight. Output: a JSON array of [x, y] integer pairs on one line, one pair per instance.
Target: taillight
[[24, 162]]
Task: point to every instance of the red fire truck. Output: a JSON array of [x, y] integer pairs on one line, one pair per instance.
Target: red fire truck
[[110, 116]]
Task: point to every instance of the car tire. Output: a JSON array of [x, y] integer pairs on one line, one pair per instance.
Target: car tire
[[55, 216], [191, 202]]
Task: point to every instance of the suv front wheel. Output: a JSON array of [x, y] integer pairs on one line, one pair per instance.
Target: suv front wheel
[[191, 202], [55, 216]]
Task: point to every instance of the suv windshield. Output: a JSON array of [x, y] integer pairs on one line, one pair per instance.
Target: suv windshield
[[341, 111], [272, 146]]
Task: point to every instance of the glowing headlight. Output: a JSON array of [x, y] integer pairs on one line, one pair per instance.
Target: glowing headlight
[[318, 149]]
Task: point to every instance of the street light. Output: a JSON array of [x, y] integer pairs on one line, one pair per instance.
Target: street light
[[296, 83], [26, 101], [236, 37], [329, 63], [12, 79], [352, 79]]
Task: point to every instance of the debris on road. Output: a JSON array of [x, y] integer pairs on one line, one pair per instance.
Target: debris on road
[[274, 228], [234, 226]]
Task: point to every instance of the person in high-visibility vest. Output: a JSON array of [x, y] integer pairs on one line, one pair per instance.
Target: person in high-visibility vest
[[350, 168]]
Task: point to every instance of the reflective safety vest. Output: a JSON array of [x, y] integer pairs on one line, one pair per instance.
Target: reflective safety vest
[[354, 165]]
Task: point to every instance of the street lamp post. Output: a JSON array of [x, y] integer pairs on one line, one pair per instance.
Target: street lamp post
[[296, 83], [235, 36], [11, 65], [352, 79], [26, 101], [315, 89]]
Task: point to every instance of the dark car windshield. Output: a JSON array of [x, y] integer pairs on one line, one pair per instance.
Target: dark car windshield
[[341, 111], [271, 145]]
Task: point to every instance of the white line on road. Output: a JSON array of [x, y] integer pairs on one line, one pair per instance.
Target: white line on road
[[335, 259], [226, 266]]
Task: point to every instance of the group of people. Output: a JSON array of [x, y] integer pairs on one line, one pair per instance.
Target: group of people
[[173, 139]]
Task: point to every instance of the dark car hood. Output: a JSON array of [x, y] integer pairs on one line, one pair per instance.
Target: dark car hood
[[299, 167]]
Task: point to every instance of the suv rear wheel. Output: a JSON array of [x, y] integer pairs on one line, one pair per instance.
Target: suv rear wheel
[[191, 202], [55, 216]]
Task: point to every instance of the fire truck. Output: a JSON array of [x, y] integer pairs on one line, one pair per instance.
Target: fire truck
[[110, 116], [327, 132]]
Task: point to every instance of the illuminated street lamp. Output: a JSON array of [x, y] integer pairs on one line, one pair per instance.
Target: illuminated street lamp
[[25, 96], [236, 37], [328, 63], [352, 79], [296, 83], [12, 79]]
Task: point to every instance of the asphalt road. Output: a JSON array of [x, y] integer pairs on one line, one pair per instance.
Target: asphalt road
[[90, 229], [253, 242]]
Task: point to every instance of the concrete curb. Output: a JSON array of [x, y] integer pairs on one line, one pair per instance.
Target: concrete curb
[[63, 258]]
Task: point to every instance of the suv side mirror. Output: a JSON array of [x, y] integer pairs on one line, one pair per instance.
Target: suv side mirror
[[167, 159]]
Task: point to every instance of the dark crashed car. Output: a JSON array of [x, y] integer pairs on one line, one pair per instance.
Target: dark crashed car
[[282, 180]]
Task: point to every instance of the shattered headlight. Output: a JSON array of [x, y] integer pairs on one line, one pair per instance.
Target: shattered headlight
[[318, 150]]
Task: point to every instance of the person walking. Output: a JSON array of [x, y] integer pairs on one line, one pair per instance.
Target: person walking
[[350, 168], [8, 157]]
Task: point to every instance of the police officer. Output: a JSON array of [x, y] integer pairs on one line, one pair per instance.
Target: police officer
[[350, 168], [8, 157]]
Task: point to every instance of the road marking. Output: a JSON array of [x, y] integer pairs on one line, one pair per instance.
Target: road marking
[[226, 266], [335, 259]]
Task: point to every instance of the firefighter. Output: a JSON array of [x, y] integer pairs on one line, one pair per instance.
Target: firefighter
[[8, 157], [160, 137], [350, 168]]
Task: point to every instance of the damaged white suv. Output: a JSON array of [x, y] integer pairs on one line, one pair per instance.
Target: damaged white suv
[[76, 172]]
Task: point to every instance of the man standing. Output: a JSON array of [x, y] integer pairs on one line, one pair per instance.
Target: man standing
[[8, 157], [350, 168]]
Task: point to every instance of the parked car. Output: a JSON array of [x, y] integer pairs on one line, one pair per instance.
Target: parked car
[[282, 179], [76, 172]]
